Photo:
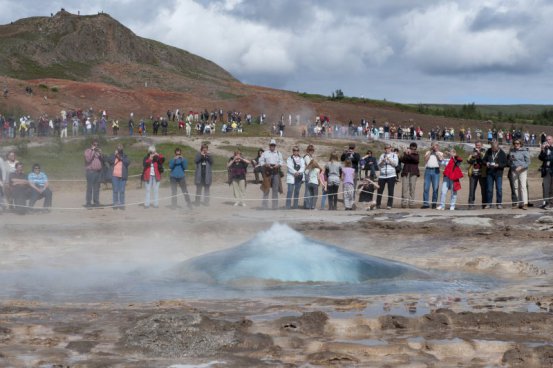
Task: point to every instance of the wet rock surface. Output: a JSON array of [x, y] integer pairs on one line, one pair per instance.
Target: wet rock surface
[[508, 324]]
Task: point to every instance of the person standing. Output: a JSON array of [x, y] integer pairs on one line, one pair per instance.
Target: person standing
[[354, 157], [257, 168], [271, 161], [178, 166], [309, 151], [348, 175], [496, 161], [519, 161], [203, 177], [546, 156], [432, 159], [333, 173], [238, 166], [38, 182], [409, 175], [294, 177], [153, 168], [119, 163], [452, 175], [312, 171], [477, 174], [94, 159], [387, 164]]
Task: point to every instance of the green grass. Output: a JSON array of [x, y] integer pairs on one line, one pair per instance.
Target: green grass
[[65, 160]]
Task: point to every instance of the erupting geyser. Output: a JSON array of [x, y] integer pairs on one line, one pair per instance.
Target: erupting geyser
[[284, 255]]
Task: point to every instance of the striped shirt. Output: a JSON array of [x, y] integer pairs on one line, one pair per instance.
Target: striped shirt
[[39, 179]]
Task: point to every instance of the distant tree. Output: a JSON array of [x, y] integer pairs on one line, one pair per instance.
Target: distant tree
[[337, 95]]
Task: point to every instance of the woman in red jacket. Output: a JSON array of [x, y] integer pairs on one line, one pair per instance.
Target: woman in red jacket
[[153, 168], [452, 174]]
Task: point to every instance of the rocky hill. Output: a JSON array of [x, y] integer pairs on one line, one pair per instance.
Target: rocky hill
[[79, 62], [100, 49]]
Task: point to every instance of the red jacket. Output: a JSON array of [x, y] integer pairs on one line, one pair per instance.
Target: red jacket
[[157, 165], [453, 172]]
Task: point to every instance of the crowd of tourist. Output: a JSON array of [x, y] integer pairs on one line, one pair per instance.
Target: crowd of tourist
[[362, 178]]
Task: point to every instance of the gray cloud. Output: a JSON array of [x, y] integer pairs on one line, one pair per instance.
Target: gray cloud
[[404, 50]]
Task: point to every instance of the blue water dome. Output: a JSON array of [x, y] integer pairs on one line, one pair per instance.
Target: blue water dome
[[281, 254]]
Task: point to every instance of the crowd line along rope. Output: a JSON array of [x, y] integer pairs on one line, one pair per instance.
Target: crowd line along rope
[[283, 198]]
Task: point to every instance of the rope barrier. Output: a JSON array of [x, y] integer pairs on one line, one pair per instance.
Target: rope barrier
[[281, 197]]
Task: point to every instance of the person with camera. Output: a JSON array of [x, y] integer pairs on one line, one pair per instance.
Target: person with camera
[[369, 165], [294, 177], [409, 175], [350, 154], [94, 160], [271, 160], [238, 167], [203, 175], [495, 160], [257, 168], [519, 161], [432, 159], [387, 163], [546, 156], [151, 174], [119, 163], [451, 181], [477, 174], [178, 166]]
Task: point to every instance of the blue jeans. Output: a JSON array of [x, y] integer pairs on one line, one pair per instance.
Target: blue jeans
[[496, 178], [431, 176], [295, 190], [118, 186]]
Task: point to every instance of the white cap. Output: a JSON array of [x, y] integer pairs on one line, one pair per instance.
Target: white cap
[[272, 142]]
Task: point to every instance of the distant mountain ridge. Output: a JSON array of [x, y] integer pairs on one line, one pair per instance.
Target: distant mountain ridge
[[97, 48]]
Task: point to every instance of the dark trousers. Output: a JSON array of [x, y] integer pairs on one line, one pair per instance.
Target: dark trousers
[[180, 182], [514, 195], [93, 187], [46, 194], [205, 188], [332, 194], [474, 181], [390, 183]]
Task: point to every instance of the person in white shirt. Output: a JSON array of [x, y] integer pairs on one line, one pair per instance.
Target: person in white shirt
[[432, 159], [271, 162], [387, 163], [294, 177]]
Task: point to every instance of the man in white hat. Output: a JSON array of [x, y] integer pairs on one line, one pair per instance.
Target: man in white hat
[[271, 161]]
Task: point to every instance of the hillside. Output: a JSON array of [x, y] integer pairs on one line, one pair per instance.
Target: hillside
[[78, 62]]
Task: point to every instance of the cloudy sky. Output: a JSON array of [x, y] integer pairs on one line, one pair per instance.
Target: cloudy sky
[[443, 51]]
